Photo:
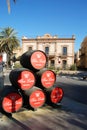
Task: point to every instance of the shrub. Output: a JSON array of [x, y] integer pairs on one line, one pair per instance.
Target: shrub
[[73, 67], [17, 65]]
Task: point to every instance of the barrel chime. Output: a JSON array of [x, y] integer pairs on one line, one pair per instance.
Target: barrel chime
[[32, 86]]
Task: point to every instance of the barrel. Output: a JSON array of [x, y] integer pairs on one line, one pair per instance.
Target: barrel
[[10, 99], [54, 95], [34, 98], [45, 78], [22, 78], [33, 60]]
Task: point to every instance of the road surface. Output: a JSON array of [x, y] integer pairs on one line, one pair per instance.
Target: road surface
[[74, 88]]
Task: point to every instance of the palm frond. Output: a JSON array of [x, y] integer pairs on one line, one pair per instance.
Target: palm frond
[[8, 39]]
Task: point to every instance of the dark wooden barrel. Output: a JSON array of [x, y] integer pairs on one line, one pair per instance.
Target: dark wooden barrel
[[34, 98], [54, 95], [33, 60], [45, 78], [22, 78], [10, 99]]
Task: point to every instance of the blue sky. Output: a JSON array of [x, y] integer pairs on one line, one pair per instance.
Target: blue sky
[[34, 18]]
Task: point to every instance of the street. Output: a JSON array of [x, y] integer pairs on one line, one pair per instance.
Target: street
[[74, 88], [71, 114]]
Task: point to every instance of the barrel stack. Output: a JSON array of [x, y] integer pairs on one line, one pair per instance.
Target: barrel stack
[[45, 79], [33, 85]]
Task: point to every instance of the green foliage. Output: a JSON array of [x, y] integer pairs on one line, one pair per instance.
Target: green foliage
[[17, 65], [73, 67], [51, 67], [8, 42]]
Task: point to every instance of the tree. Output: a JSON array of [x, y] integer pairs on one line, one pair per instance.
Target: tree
[[8, 41], [8, 4]]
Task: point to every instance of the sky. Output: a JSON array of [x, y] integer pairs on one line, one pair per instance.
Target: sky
[[32, 18]]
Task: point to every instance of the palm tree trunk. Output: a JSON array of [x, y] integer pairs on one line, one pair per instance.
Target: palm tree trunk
[[8, 4]]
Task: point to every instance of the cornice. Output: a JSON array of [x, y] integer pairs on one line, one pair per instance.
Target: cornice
[[49, 40]]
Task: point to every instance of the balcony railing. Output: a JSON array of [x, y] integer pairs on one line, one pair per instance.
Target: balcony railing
[[60, 55], [51, 55]]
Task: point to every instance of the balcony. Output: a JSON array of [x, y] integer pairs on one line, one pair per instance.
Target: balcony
[[51, 55], [82, 54], [63, 56]]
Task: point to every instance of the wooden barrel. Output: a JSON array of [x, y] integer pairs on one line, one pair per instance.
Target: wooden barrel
[[10, 99], [34, 98], [22, 78], [45, 78], [33, 60], [54, 95]]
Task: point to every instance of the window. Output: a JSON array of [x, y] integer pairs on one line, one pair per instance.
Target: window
[[52, 62], [64, 50], [47, 50], [29, 48], [64, 64]]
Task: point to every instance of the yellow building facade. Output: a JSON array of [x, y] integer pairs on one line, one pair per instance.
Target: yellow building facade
[[83, 54], [59, 51]]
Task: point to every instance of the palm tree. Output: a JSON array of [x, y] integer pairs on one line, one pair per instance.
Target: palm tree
[[8, 42], [8, 4]]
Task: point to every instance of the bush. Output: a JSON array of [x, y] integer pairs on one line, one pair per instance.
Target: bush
[[73, 67], [51, 68], [17, 65]]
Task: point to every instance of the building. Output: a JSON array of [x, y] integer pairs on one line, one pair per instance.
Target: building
[[83, 54], [17, 52], [59, 51], [77, 58]]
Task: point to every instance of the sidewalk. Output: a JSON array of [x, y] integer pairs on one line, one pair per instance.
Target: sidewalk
[[79, 75], [1, 79]]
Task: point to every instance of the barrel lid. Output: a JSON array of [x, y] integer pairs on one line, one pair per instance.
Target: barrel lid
[[56, 94], [38, 60], [37, 99], [48, 78], [26, 80], [12, 102]]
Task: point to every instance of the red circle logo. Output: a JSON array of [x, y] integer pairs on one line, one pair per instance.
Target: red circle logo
[[12, 102], [38, 60], [26, 80], [37, 99], [56, 95], [48, 79]]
